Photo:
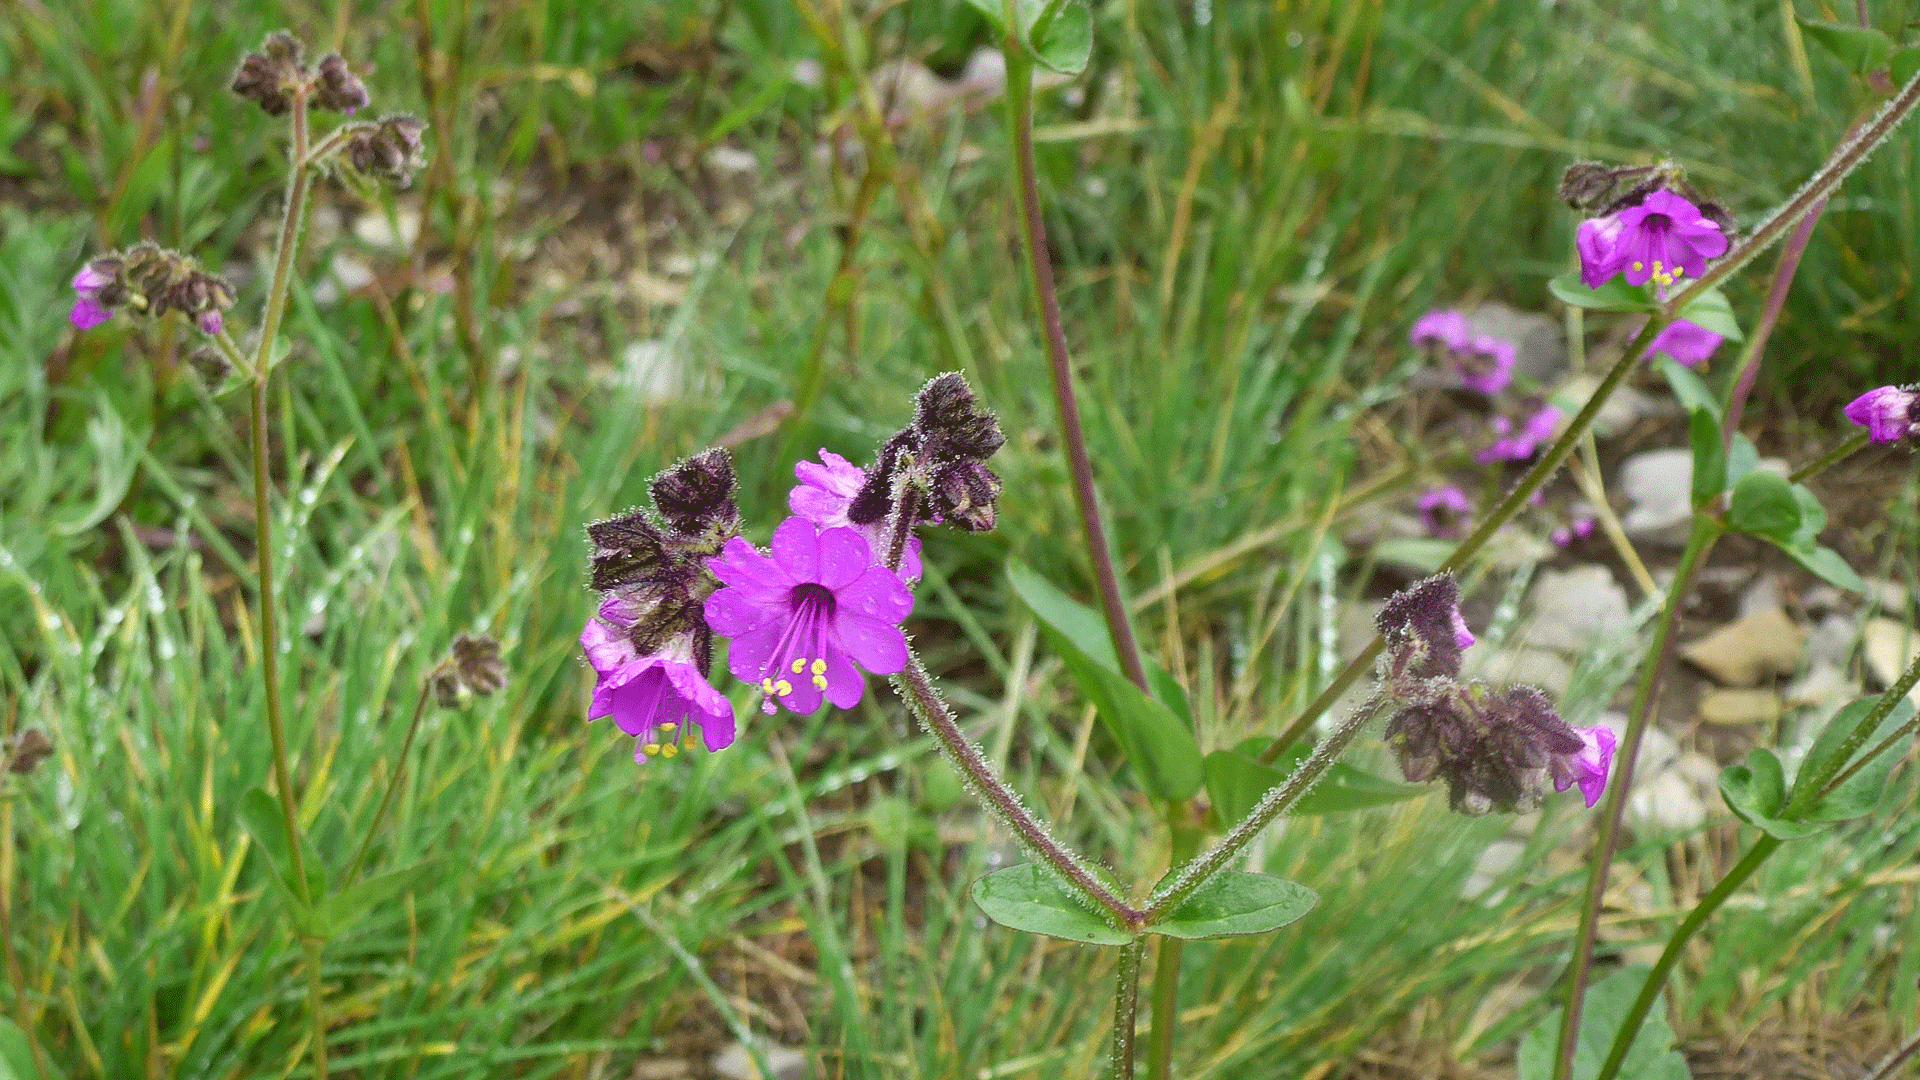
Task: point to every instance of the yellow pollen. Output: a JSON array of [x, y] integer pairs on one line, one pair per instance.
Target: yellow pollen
[[819, 667], [669, 750], [819, 682], [783, 688], [1637, 265], [1679, 271], [767, 685], [668, 726], [799, 666], [651, 748]]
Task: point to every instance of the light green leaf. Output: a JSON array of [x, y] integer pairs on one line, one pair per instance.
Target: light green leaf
[[340, 911], [1862, 792], [1237, 903], [1764, 504], [1826, 564], [1650, 1056], [16, 1056], [261, 815], [1742, 458], [1712, 311], [1028, 897], [1756, 792], [1615, 295], [1859, 48], [1902, 65], [1236, 782], [1423, 554], [1157, 744], [1709, 457], [1062, 42], [1692, 392]]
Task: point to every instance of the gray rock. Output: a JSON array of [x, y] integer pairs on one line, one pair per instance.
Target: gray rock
[[1824, 688], [1626, 407], [1499, 857], [1658, 486], [1732, 708], [1763, 595], [1666, 803], [1749, 649], [1539, 351], [1830, 642], [1572, 610], [735, 1063], [1891, 646]]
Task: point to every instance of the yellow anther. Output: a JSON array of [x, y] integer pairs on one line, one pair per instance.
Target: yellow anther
[[651, 748], [1638, 265], [819, 682], [1679, 271], [692, 739], [799, 666], [819, 667], [767, 685], [668, 726], [783, 688], [669, 750]]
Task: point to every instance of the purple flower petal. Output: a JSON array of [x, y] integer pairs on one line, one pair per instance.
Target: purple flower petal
[[796, 547], [877, 646], [826, 489], [877, 594], [1598, 241], [751, 652], [736, 611], [1588, 768], [845, 686], [87, 313], [844, 556], [1888, 413], [1444, 327], [1688, 343]]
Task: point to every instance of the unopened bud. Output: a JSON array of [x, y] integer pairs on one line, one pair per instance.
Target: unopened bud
[[273, 74], [696, 499], [337, 88], [477, 658], [965, 495], [26, 750], [951, 423], [1424, 630], [388, 150], [210, 365]]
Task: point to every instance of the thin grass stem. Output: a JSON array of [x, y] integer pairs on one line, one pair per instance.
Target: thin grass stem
[[1830, 775], [393, 785], [1846, 449]]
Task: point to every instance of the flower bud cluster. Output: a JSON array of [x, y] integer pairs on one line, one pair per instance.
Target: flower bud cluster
[[940, 458], [388, 149], [149, 280], [275, 73], [1495, 749], [472, 667]]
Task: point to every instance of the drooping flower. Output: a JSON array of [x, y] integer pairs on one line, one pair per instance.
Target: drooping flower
[[1511, 444], [1443, 328], [825, 492], [662, 698], [1589, 766], [1443, 511], [1688, 343], [1662, 239], [1423, 628], [1495, 749], [1889, 414], [92, 307], [802, 617]]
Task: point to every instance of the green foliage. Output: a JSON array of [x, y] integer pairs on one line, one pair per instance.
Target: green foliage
[[1029, 897], [1236, 781], [1613, 295], [1235, 903], [1057, 33], [1651, 1056], [1861, 794], [1859, 49], [1757, 792]]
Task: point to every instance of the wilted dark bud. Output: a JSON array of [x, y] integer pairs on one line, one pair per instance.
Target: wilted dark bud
[[965, 495], [1496, 749], [388, 150], [628, 550], [477, 658], [874, 501], [273, 74], [199, 295], [448, 690], [337, 88], [26, 750], [951, 423], [1587, 184], [696, 500], [1424, 630], [212, 367], [1719, 215]]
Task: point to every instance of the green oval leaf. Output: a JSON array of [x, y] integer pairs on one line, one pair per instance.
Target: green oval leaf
[[1826, 564], [1237, 903], [1756, 791], [1061, 39], [1237, 781], [261, 815], [1902, 65], [1862, 792], [1712, 311], [1692, 392], [1764, 504], [1029, 898], [1650, 1056], [1615, 295], [1709, 457]]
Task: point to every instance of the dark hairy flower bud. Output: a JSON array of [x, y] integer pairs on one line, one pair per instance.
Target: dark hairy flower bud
[[1586, 184], [951, 422], [874, 501], [26, 750], [477, 658], [696, 500], [1495, 749], [964, 494], [337, 88], [1423, 628], [389, 149], [628, 550], [273, 74]]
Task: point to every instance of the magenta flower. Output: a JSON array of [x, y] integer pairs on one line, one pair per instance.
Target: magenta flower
[[1579, 529], [1589, 767], [1519, 445], [88, 311], [1444, 511], [824, 495], [1662, 240], [1443, 327], [1688, 343], [801, 619], [1889, 414], [663, 700], [1486, 364]]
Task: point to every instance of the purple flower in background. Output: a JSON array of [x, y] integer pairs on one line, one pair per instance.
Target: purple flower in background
[[1587, 768], [801, 619], [89, 311], [1889, 414], [1510, 444], [1662, 240], [825, 493], [1444, 327], [1579, 529], [1486, 364], [1444, 511], [1688, 343], [663, 700]]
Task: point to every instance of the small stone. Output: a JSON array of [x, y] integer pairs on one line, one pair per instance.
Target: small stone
[[735, 1063], [653, 371], [1573, 610], [374, 230], [1892, 597], [1658, 485], [661, 1069], [1733, 707], [1831, 641], [1539, 352], [1701, 769], [1891, 646], [1625, 408], [1761, 596], [1824, 684], [1666, 803], [1749, 649], [732, 159]]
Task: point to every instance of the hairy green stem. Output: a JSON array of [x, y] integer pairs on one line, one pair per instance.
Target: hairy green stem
[[1699, 541], [915, 687], [1884, 1070], [1185, 841], [1825, 461], [1126, 1007], [1033, 232], [1669, 956], [1186, 879], [1749, 366], [393, 785]]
